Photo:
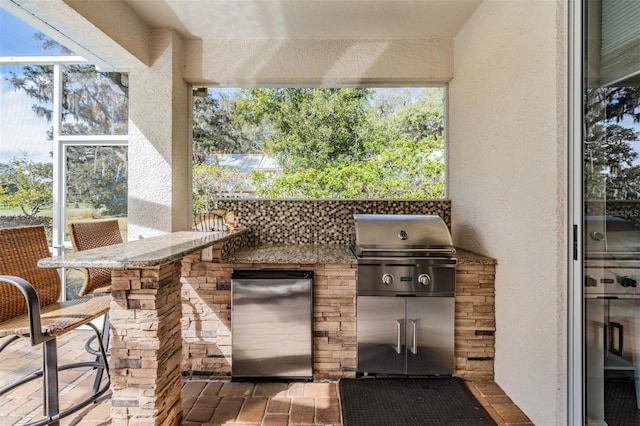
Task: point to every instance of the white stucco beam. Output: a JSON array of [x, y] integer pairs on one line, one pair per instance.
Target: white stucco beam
[[108, 34], [235, 62]]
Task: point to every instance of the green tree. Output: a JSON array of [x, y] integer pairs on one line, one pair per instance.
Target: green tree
[[410, 113], [401, 169], [99, 167], [210, 182], [26, 185], [337, 143], [94, 103], [215, 132], [311, 126]]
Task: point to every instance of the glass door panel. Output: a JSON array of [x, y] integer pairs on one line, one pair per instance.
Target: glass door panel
[[611, 211]]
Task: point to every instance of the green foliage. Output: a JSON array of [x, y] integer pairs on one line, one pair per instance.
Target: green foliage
[[215, 132], [210, 182], [311, 126], [26, 185], [387, 174], [410, 113], [94, 103], [100, 178], [329, 143]]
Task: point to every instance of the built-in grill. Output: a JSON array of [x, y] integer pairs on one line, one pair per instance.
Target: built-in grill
[[405, 294], [612, 257]]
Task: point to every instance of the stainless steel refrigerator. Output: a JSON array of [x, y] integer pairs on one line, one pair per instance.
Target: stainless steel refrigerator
[[271, 324]]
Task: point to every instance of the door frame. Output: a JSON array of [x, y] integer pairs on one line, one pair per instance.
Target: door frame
[[575, 310]]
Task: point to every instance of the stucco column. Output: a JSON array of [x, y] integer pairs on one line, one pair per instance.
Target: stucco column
[[159, 141]]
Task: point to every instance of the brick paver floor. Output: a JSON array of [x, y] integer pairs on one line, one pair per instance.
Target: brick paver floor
[[205, 402]]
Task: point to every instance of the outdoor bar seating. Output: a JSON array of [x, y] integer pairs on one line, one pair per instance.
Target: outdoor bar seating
[[88, 235], [30, 308]]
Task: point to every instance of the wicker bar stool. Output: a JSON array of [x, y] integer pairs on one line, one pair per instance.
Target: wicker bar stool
[[29, 308], [88, 235]]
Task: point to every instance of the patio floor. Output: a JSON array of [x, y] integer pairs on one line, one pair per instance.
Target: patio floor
[[205, 402]]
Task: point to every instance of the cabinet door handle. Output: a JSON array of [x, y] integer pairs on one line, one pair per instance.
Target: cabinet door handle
[[414, 339], [615, 345], [399, 329]]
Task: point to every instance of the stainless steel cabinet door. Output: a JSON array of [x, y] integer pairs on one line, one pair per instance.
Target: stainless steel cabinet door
[[381, 334], [271, 328], [430, 335]]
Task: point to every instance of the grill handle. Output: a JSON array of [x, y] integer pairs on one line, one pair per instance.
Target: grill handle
[[399, 330], [449, 250]]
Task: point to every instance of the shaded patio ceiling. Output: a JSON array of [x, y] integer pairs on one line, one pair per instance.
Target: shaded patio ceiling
[[247, 42], [307, 19]]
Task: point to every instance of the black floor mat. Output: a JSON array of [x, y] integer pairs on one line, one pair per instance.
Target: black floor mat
[[410, 401], [620, 407]]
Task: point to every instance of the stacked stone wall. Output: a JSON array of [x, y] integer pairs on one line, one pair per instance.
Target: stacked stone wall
[[206, 321]]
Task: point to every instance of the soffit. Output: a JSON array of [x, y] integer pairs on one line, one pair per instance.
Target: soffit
[[307, 19]]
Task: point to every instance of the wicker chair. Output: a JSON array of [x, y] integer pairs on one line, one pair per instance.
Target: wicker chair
[[29, 308], [88, 235]]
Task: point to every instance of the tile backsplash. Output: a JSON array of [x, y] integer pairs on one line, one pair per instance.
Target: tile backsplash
[[319, 221]]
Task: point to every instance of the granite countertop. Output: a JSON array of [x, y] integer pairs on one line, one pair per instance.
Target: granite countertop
[[153, 251], [146, 252], [466, 257], [321, 253], [293, 253]]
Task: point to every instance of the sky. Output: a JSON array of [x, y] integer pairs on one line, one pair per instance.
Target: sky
[[21, 131]]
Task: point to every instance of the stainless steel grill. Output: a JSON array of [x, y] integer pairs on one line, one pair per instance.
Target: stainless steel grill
[[405, 294], [402, 236], [612, 257]]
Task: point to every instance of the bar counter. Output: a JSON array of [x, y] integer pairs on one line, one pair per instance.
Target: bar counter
[[145, 318], [142, 253]]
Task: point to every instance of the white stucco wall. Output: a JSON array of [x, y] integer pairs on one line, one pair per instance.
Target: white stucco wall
[[507, 186]]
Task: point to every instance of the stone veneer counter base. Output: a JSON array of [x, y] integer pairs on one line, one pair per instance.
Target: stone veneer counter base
[[207, 308]]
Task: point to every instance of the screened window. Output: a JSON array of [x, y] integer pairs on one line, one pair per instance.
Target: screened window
[[326, 143], [63, 128]]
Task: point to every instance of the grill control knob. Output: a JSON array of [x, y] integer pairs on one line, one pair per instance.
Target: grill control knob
[[628, 282], [387, 279], [589, 281], [424, 279]]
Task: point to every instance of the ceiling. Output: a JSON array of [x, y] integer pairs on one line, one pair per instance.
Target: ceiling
[[307, 19]]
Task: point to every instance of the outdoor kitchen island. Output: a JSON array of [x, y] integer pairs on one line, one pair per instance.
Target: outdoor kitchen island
[[206, 280], [171, 312]]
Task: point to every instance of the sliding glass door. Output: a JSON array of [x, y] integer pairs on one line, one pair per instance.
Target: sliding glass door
[[609, 209]]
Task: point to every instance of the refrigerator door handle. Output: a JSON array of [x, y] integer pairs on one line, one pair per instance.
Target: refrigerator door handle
[[399, 330], [414, 339]]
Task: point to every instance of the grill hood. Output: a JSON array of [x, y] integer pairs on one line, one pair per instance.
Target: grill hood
[[406, 235], [611, 237]]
